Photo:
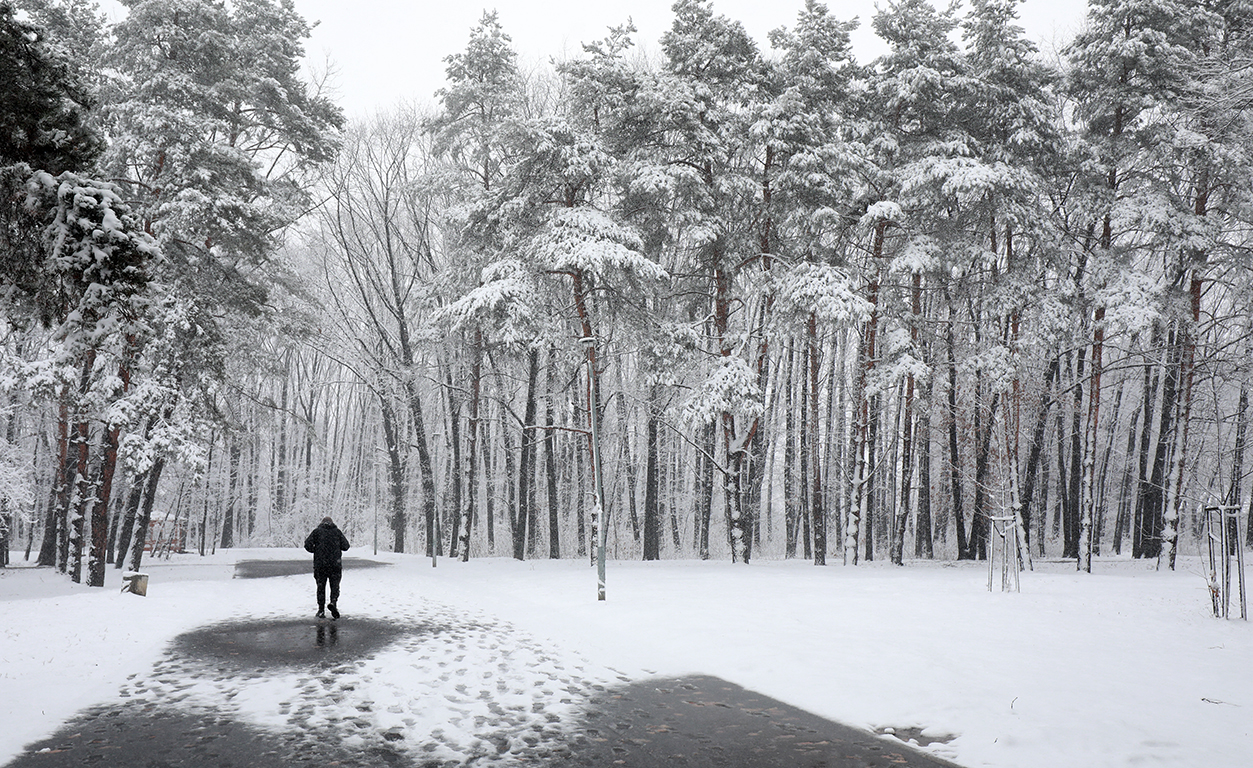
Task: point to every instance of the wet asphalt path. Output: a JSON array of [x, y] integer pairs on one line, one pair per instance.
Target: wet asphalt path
[[184, 711]]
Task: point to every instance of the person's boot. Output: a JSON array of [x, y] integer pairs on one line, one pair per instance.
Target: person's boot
[[322, 612], [334, 611]]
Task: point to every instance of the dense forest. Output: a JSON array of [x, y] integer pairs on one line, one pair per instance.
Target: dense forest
[[740, 299]]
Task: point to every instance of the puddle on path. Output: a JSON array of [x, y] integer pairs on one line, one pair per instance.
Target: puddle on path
[[265, 569], [292, 642]]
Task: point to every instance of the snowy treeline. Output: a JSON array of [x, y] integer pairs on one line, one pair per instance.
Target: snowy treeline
[[733, 301]]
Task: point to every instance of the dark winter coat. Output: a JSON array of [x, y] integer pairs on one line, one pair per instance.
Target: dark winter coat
[[326, 542]]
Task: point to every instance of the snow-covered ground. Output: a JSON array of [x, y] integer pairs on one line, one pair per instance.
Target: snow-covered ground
[[1123, 667]]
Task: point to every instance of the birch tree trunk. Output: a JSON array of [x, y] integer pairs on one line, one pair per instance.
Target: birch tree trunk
[[1088, 512]]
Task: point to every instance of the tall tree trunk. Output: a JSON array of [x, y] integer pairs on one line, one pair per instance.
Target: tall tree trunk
[[979, 528], [524, 517], [1098, 519], [83, 495], [705, 490], [104, 493], [1170, 533], [1036, 451], [100, 510], [145, 517], [1155, 497], [817, 511], [652, 480], [861, 502], [133, 498], [232, 493], [870, 500], [470, 510], [280, 450], [901, 516], [963, 547], [1074, 494], [8, 530], [580, 512], [805, 451], [1091, 432], [254, 461], [673, 483], [625, 433], [550, 459], [454, 436], [791, 526], [426, 468], [509, 479], [1233, 496], [1143, 531], [838, 434], [600, 509], [924, 545], [1122, 521], [204, 490], [398, 519], [58, 497]]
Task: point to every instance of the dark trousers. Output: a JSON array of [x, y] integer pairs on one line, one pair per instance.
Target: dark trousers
[[322, 577]]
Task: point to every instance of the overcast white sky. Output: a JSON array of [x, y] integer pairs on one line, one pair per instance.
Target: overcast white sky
[[385, 51]]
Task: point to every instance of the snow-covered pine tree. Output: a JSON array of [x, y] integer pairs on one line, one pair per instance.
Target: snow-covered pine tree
[[909, 121], [98, 266], [213, 135], [74, 261], [43, 100], [1013, 123], [484, 90], [712, 75], [1130, 68], [807, 204]]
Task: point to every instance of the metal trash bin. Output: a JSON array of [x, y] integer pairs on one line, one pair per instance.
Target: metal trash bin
[[136, 583]]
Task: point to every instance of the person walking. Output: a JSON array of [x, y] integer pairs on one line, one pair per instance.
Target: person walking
[[326, 542]]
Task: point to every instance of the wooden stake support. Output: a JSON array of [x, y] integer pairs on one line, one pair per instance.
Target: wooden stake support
[[1225, 536]]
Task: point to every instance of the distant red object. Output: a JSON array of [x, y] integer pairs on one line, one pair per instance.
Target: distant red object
[[164, 536]]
